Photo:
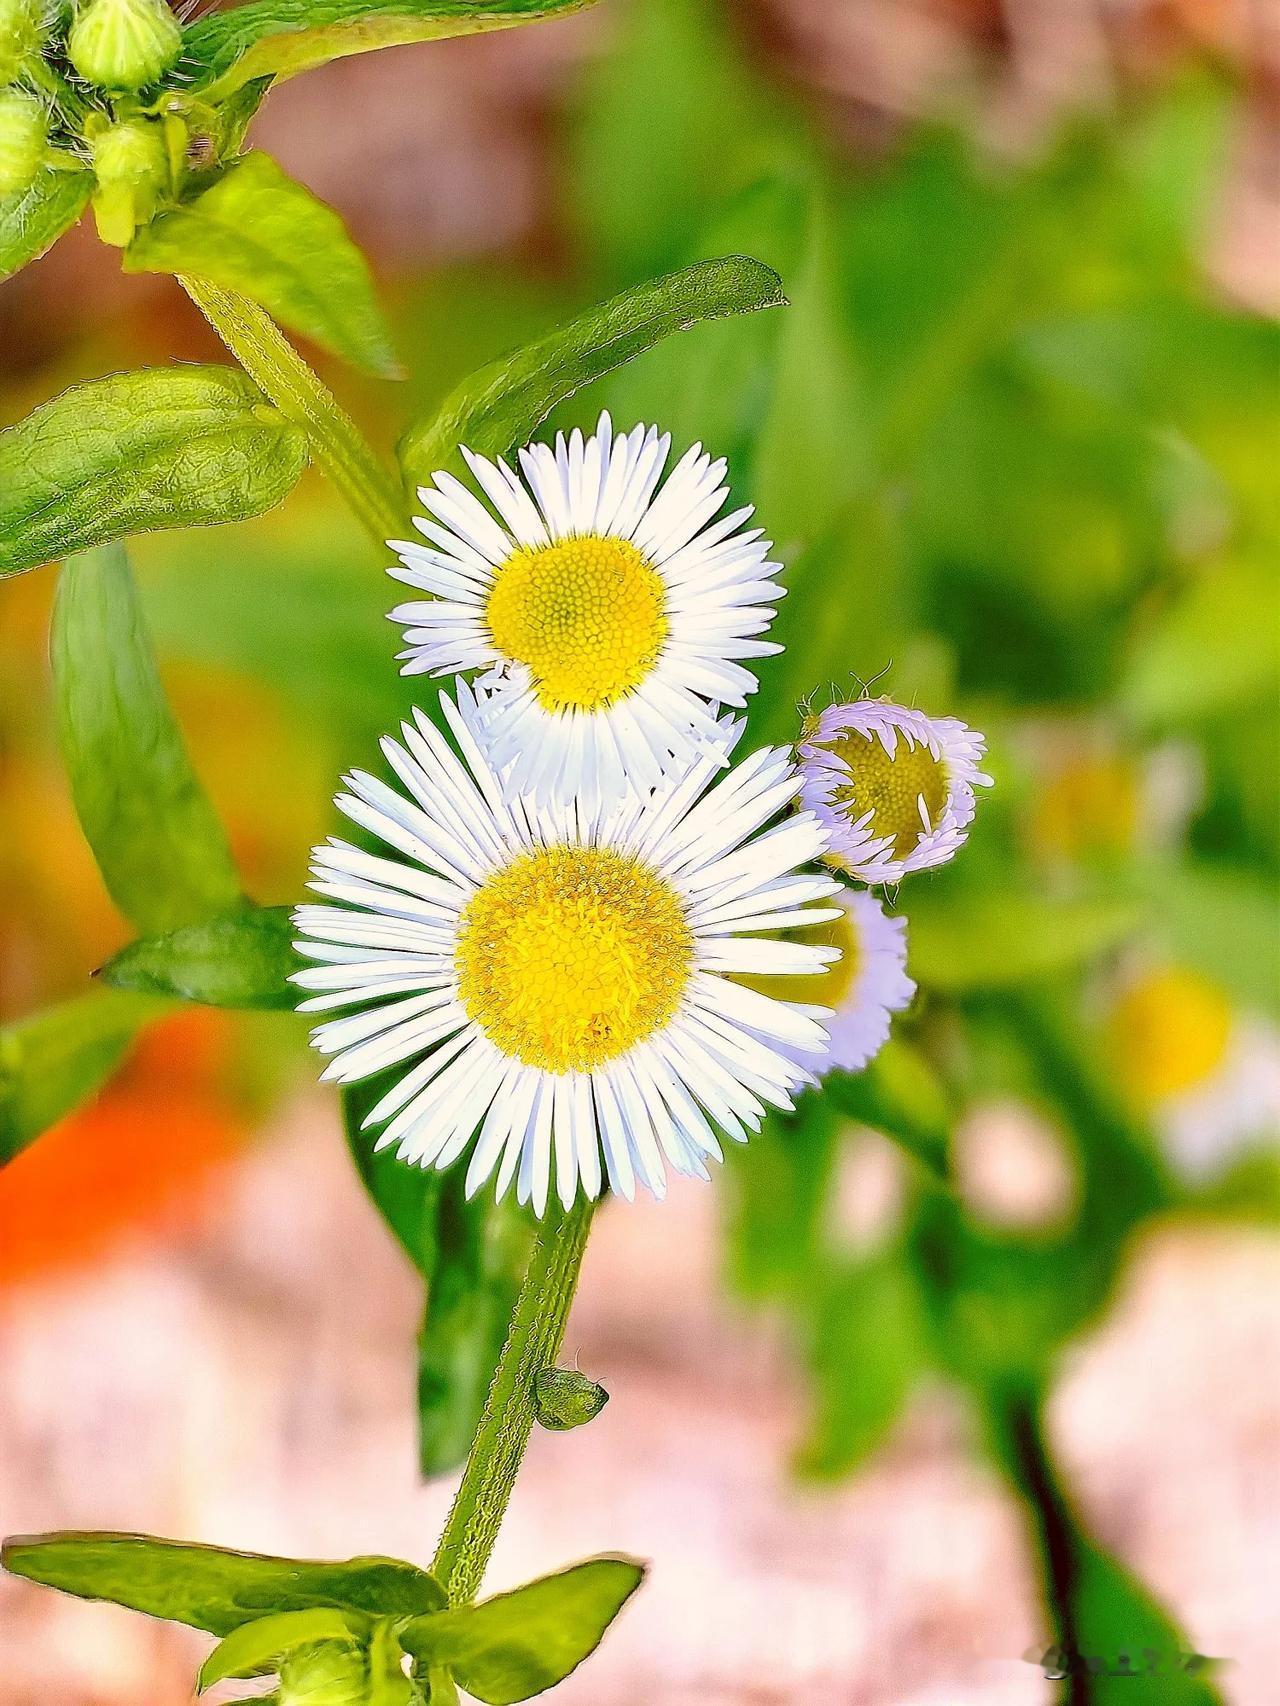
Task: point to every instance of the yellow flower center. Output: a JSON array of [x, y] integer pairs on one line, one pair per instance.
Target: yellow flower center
[[572, 955], [1088, 808], [827, 987], [1169, 1032], [588, 617], [889, 787]]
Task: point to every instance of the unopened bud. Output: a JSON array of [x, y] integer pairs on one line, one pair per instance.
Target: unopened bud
[[24, 140], [564, 1398], [131, 163], [340, 1673], [20, 35], [124, 44]]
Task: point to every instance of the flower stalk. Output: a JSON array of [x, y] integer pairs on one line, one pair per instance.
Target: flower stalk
[[271, 361], [502, 1434]]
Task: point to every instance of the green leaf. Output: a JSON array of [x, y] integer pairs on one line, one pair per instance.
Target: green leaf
[[471, 1255], [161, 850], [280, 38], [517, 1644], [166, 447], [256, 1648], [499, 407], [867, 1347], [32, 221], [257, 231], [53, 1061], [1220, 921], [898, 1093], [210, 1588], [993, 941], [1214, 646], [240, 959]]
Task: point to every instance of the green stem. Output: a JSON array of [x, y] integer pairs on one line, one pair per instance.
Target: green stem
[[271, 361], [533, 1340]]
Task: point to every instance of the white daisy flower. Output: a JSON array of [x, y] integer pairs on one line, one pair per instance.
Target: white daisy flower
[[1207, 1074], [610, 615], [894, 787], [555, 983], [863, 988]]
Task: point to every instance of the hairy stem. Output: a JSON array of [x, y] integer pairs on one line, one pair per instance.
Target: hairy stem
[[533, 1339], [271, 362]]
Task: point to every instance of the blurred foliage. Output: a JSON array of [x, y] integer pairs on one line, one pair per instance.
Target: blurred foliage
[[1019, 458]]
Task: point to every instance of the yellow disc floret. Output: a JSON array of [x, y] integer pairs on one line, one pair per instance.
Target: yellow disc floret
[[587, 615], [889, 787], [569, 956], [827, 987], [1170, 1032]]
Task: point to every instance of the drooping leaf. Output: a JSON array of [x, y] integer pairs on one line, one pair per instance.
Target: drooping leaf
[[899, 1094], [32, 220], [257, 231], [471, 1255], [518, 1644], [161, 850], [867, 1346], [52, 1061], [239, 959], [166, 447], [280, 38], [498, 408], [256, 1648], [210, 1588]]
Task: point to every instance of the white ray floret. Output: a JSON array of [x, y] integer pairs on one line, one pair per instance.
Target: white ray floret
[[549, 988], [609, 611], [894, 787]]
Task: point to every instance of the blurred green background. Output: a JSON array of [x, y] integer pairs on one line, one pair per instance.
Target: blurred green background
[[1016, 439]]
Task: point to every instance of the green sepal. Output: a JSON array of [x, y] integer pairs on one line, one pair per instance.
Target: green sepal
[[499, 407], [257, 231], [517, 1644], [240, 959], [210, 1588], [164, 447]]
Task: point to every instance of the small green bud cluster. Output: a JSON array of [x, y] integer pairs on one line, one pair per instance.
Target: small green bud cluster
[[131, 164], [337, 1673], [124, 45], [21, 37], [24, 139]]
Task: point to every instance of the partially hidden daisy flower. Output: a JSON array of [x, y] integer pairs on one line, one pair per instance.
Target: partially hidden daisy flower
[[864, 988], [609, 610], [555, 983], [893, 786]]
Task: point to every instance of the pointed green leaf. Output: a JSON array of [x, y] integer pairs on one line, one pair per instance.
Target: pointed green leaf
[[280, 38], [52, 1061], [239, 959], [257, 231], [499, 407], [167, 447], [471, 1255], [32, 220], [518, 1644], [161, 850], [213, 1589], [256, 1648]]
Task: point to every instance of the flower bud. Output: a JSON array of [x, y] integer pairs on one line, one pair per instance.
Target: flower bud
[[124, 44], [20, 34], [563, 1398], [24, 140], [131, 163], [340, 1673]]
